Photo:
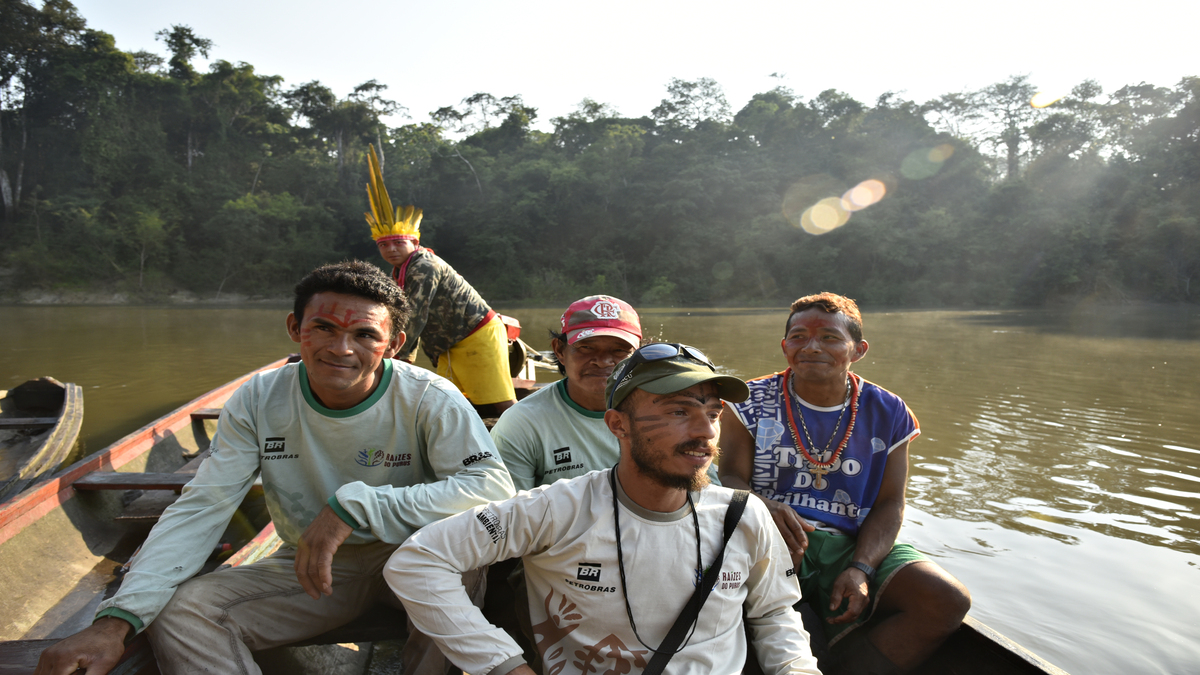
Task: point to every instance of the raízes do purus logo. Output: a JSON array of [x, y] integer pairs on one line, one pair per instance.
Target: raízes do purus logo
[[274, 448], [369, 457], [587, 578]]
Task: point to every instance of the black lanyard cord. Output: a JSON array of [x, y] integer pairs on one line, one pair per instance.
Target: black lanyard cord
[[612, 478]]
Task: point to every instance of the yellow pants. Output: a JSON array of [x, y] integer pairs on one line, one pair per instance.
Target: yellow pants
[[478, 365]]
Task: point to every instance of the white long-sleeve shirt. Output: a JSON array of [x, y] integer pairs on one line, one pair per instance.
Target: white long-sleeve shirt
[[413, 452], [565, 533]]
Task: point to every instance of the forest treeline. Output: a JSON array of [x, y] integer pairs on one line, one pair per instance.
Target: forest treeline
[[135, 173]]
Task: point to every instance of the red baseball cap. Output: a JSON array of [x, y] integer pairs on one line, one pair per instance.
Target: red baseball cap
[[602, 315]]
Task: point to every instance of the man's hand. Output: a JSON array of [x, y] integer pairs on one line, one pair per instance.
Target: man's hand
[[792, 527], [95, 649], [314, 555], [851, 584]]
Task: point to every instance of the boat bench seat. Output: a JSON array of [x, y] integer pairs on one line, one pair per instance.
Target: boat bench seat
[[120, 480], [27, 422], [381, 622], [205, 414]]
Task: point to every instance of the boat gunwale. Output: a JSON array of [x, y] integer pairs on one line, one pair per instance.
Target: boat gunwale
[[43, 497], [1009, 646]]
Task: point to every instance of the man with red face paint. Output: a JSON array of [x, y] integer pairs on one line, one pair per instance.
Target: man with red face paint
[[827, 452], [356, 452]]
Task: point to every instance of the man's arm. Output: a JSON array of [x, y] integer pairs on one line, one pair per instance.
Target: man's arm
[[737, 465], [419, 289], [875, 538], [177, 547], [314, 552], [518, 448], [425, 574], [95, 649], [777, 633], [465, 462], [189, 529]]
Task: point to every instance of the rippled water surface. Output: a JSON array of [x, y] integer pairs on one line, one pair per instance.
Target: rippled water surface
[[1057, 473]]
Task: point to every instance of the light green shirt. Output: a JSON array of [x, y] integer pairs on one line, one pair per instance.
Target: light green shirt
[[412, 453], [547, 437]]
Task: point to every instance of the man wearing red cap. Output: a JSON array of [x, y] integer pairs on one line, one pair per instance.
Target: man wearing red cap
[[559, 432]]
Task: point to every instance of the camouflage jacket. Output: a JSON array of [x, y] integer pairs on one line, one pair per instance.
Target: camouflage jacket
[[443, 307]]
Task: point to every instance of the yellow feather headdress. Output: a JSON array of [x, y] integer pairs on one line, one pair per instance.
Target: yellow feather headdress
[[403, 222]]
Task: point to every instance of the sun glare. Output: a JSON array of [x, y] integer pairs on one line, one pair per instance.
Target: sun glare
[[1044, 98], [863, 195], [824, 216], [922, 164]]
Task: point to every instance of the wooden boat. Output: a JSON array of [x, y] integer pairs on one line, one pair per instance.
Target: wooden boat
[[78, 532], [976, 649], [39, 424]]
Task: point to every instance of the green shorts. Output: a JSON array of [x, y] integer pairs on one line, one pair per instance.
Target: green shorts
[[827, 555]]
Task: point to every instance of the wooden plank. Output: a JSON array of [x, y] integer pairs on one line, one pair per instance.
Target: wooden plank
[[120, 480], [206, 414], [147, 508], [263, 545], [20, 657], [27, 422]]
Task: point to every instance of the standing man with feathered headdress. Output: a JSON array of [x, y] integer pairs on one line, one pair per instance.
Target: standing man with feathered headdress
[[463, 337]]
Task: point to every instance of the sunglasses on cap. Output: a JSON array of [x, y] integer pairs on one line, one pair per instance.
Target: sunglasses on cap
[[656, 351]]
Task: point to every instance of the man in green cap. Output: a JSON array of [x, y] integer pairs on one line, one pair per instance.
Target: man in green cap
[[612, 557]]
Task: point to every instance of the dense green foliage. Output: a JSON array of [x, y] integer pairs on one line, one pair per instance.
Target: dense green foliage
[[120, 171]]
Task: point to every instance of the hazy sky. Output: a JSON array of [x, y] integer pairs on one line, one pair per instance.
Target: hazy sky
[[623, 53]]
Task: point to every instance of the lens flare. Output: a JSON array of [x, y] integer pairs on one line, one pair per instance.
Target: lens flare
[[941, 153], [722, 270], [922, 164], [1045, 98], [808, 191], [863, 195], [824, 216]]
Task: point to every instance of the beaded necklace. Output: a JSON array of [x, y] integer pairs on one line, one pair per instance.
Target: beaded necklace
[[817, 468]]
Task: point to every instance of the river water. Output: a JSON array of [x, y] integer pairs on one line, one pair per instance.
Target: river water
[[1057, 473]]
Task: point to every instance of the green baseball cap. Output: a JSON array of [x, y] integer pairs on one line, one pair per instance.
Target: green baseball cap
[[669, 375]]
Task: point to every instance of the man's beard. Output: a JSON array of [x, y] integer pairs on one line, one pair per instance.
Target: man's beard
[[650, 464]]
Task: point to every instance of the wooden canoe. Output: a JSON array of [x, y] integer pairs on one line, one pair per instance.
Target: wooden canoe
[[976, 649], [39, 425]]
